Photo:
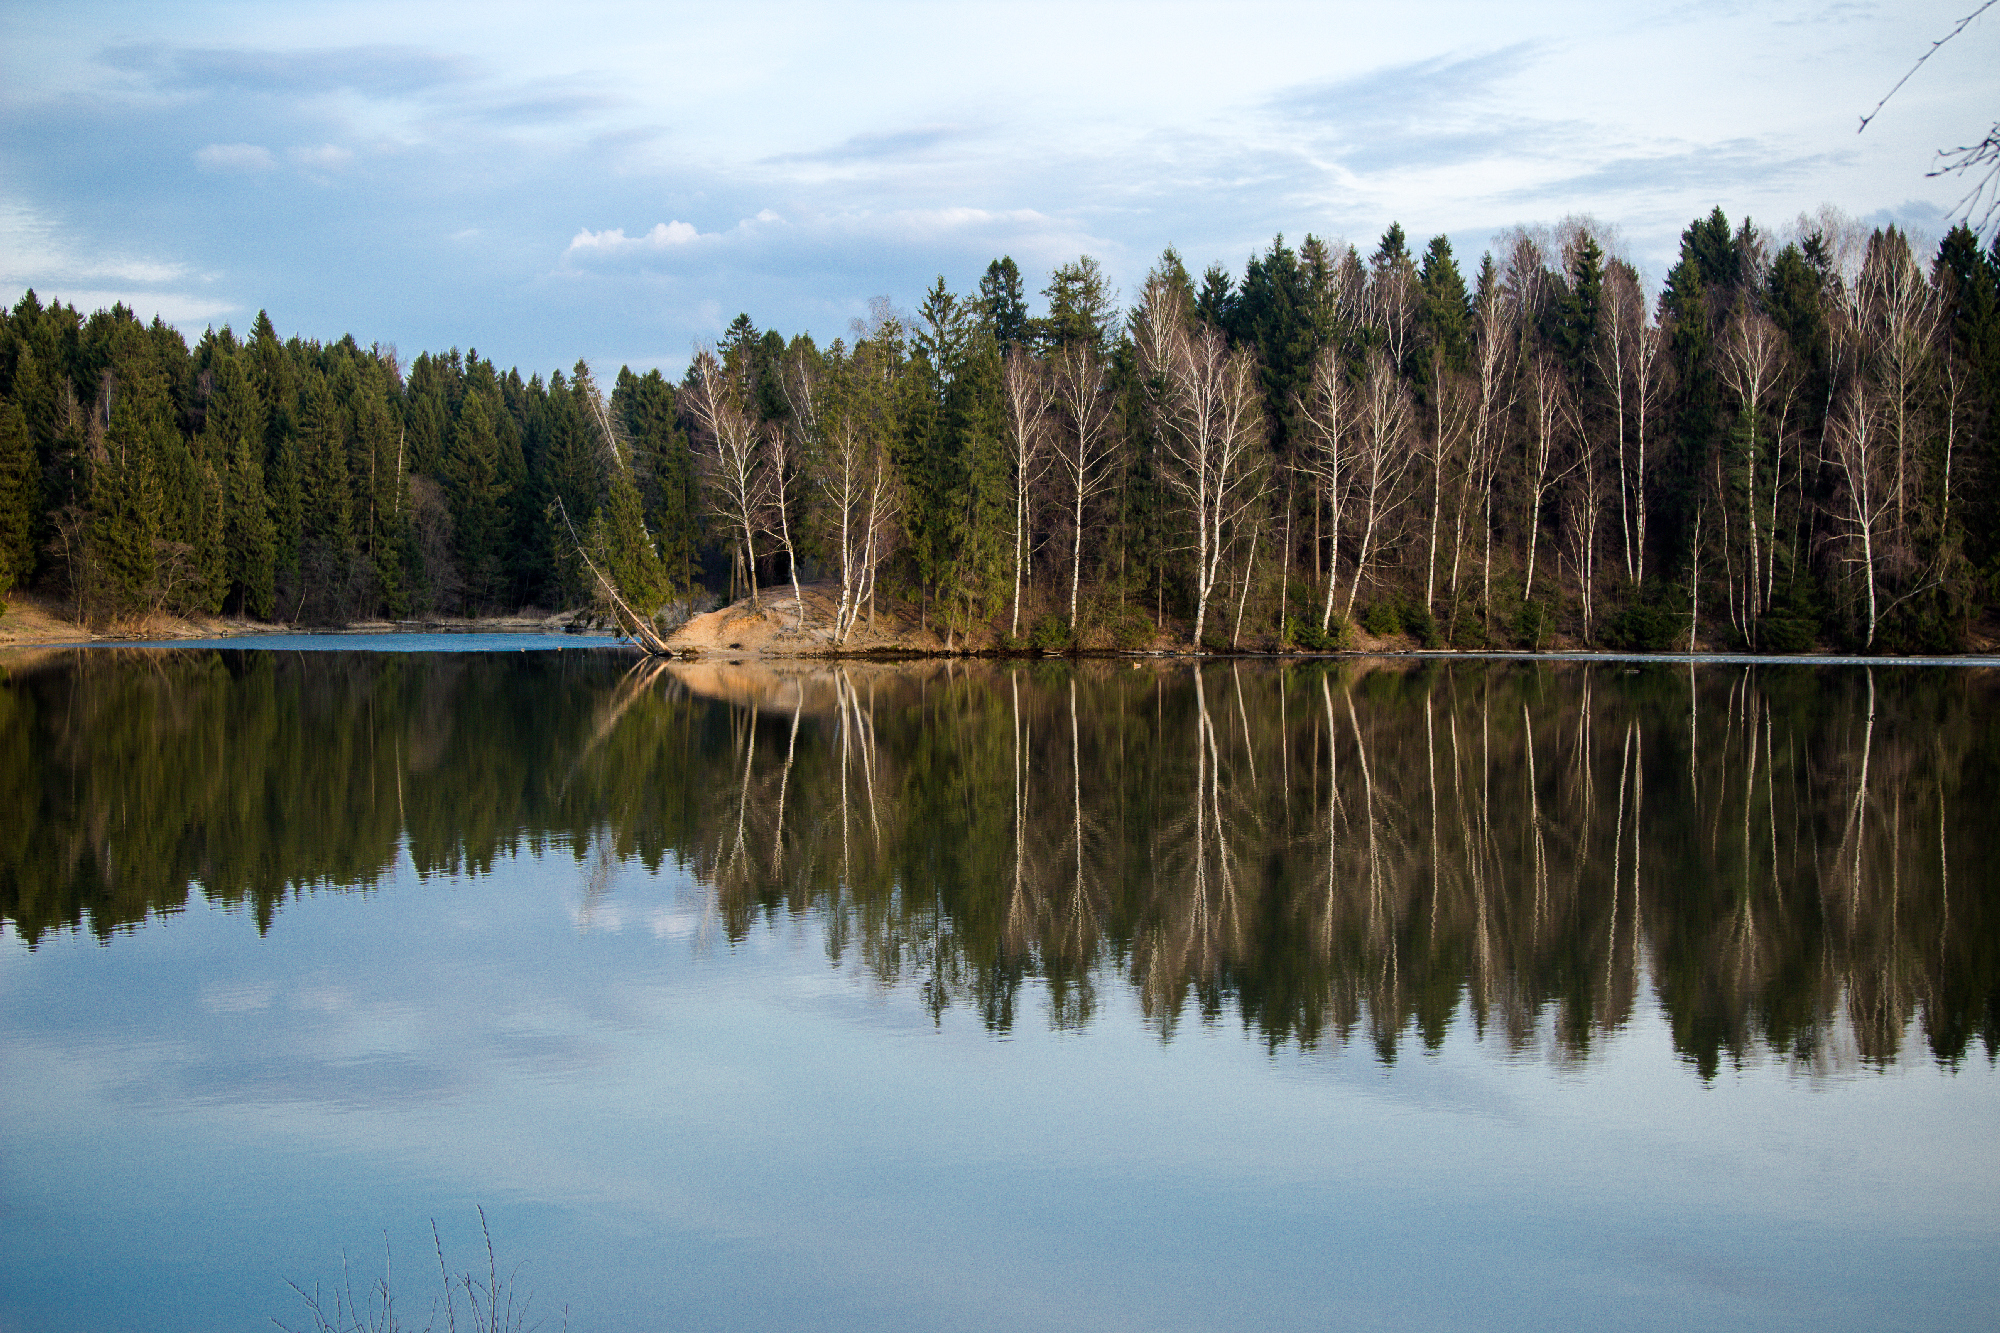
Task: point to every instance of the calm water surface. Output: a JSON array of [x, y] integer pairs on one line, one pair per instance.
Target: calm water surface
[[1390, 995]]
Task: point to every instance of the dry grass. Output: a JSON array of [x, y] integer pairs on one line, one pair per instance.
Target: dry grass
[[490, 1303]]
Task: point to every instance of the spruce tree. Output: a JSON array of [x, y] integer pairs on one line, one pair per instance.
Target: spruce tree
[[478, 493], [1003, 308], [20, 499]]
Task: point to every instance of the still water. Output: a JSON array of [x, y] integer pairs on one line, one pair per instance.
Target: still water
[[1356, 995]]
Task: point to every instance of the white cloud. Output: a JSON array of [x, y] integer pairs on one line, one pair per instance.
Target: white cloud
[[235, 157], [663, 236], [323, 158], [33, 251], [176, 308]]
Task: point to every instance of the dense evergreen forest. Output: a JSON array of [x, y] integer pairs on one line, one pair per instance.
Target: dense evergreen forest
[[1794, 445]]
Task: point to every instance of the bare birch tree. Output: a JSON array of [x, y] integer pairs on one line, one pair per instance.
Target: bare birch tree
[[1864, 462], [1082, 450], [1616, 354], [1494, 351], [1549, 415], [1453, 410], [849, 464], [1209, 410], [1328, 414], [1028, 392], [1898, 311], [1382, 457], [730, 451], [1752, 362]]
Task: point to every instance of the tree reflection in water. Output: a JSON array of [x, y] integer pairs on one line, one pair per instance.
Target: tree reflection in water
[[1376, 848]]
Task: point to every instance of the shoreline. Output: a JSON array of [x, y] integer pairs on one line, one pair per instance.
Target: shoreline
[[720, 636]]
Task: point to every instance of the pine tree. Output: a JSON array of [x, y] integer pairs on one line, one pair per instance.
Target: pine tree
[[1082, 308], [626, 548], [20, 499], [1003, 308], [124, 501], [479, 493], [662, 468]]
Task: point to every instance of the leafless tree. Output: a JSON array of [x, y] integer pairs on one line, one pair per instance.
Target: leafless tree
[[1550, 415], [1753, 363], [1209, 411], [1328, 415], [1382, 457], [1082, 450], [1863, 461], [1494, 360], [1620, 330], [1028, 392], [1899, 316], [1454, 408], [730, 450]]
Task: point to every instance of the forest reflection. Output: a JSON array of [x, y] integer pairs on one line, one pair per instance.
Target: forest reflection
[[1794, 862]]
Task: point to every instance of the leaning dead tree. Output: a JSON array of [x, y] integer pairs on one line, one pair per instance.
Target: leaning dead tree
[[639, 628], [634, 626]]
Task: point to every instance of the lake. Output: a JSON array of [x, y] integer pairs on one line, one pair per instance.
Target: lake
[[978, 996]]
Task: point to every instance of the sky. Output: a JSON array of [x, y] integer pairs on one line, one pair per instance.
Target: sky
[[616, 181]]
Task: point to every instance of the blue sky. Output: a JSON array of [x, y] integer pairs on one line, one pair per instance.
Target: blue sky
[[616, 181]]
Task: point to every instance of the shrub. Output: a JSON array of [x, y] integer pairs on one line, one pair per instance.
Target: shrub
[[1421, 624], [1051, 634], [1382, 619], [1643, 628], [1653, 618], [1131, 630], [1532, 626], [1306, 634]]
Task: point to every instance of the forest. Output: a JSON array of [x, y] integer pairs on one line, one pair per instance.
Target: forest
[[1792, 446]]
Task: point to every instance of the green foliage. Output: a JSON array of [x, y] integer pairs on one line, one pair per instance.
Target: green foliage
[[19, 499], [1382, 618], [631, 560], [1645, 626], [1051, 634], [1794, 622], [288, 478], [1130, 629], [1305, 633], [1420, 624], [1534, 624], [1003, 309], [1082, 308]]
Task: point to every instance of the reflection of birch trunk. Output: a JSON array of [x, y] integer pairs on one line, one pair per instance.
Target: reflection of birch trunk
[[1199, 911], [1078, 900], [1538, 863], [1857, 815], [1333, 818], [743, 794], [1227, 911], [1018, 914], [785, 782], [1475, 866], [1380, 927], [1618, 861]]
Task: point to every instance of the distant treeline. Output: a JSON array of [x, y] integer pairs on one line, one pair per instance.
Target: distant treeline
[[1795, 445]]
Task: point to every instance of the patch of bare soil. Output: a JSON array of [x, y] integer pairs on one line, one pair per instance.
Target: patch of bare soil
[[775, 627], [33, 621]]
